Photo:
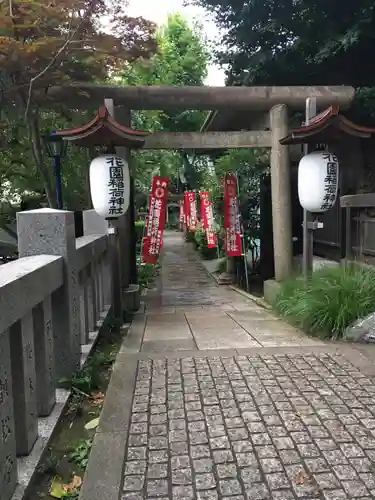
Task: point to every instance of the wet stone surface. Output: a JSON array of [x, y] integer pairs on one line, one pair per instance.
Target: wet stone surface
[[281, 426]]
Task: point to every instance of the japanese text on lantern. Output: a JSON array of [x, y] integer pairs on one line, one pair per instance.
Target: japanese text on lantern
[[330, 181], [232, 223], [116, 184]]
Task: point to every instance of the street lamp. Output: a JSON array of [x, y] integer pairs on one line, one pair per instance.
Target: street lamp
[[56, 148]]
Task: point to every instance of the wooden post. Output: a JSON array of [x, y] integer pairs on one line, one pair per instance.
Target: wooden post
[[348, 235], [115, 249], [308, 233]]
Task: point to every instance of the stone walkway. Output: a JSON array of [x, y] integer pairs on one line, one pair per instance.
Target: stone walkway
[[212, 397]]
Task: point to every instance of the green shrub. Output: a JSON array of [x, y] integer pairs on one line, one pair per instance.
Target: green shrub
[[329, 301], [147, 273], [139, 228], [201, 243], [190, 238]]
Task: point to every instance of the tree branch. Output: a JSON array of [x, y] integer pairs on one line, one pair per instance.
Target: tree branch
[[70, 37]]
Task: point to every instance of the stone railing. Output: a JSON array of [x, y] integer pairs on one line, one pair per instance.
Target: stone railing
[[51, 302]]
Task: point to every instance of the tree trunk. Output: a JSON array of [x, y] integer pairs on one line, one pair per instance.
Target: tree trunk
[[36, 147]]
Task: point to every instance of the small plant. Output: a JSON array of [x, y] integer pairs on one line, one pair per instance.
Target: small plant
[[147, 274], [49, 465], [331, 300], [89, 378], [81, 452], [202, 246]]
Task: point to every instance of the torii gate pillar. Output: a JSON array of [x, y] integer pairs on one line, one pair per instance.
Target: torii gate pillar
[[281, 195]]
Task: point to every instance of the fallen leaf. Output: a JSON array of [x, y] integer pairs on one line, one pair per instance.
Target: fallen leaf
[[302, 478], [92, 424], [76, 482], [57, 489], [98, 398]]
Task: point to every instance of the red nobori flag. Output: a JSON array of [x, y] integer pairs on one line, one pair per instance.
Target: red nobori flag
[[153, 241], [232, 224], [191, 211], [207, 219]]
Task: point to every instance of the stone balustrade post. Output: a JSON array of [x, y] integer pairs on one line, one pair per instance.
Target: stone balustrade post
[[22, 356], [8, 460], [84, 306], [52, 232], [94, 224], [44, 357]]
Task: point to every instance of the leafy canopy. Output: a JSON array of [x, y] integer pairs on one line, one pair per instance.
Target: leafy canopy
[[181, 59], [296, 42]]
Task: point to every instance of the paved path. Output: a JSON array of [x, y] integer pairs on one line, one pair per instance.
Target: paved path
[[212, 397], [190, 311]]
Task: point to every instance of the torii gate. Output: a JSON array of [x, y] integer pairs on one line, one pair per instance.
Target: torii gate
[[272, 100]]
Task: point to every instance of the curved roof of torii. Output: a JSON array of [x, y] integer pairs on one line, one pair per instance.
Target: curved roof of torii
[[103, 130], [327, 126]]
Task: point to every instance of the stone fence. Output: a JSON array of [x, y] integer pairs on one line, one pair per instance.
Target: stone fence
[[51, 298]]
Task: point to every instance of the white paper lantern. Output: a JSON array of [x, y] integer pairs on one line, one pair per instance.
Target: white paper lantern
[[318, 179], [109, 186]]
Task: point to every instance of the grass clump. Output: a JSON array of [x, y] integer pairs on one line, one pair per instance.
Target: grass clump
[[331, 300]]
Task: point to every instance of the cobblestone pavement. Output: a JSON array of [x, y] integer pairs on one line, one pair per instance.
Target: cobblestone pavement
[[214, 398], [251, 427]]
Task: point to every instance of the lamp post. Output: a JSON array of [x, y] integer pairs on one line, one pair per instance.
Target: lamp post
[[56, 149]]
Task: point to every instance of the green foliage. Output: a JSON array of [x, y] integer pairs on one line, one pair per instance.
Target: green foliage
[[305, 42], [250, 166], [89, 378], [294, 43], [147, 274], [190, 238], [329, 301], [140, 226], [200, 240], [182, 59], [81, 452]]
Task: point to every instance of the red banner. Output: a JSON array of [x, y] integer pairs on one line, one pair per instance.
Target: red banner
[[191, 211], [157, 207], [232, 223], [207, 219]]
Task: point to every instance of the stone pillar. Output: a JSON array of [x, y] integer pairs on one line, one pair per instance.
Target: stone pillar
[[8, 461], [52, 232], [94, 224], [24, 383], [44, 357], [93, 313], [84, 305], [281, 195]]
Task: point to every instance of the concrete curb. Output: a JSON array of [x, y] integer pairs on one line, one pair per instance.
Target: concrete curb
[[258, 300], [103, 476]]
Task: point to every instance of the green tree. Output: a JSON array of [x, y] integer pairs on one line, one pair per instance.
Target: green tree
[[250, 165], [288, 42], [182, 59], [42, 44]]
